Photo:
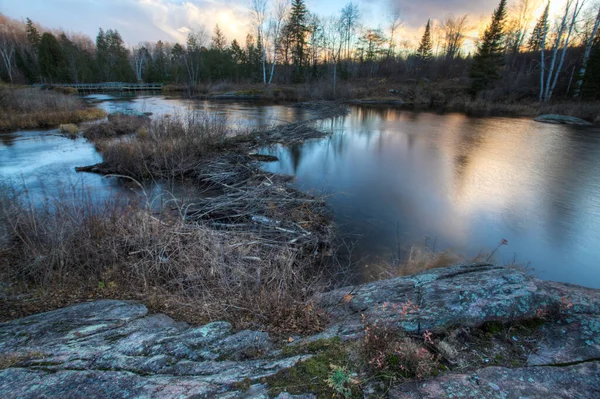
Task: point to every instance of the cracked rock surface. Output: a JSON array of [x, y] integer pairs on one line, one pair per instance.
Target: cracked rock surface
[[115, 349]]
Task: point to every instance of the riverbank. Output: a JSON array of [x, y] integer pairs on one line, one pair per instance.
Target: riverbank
[[249, 238], [30, 108], [463, 331], [451, 96]]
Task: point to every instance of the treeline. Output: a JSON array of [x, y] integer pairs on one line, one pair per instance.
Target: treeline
[[515, 55]]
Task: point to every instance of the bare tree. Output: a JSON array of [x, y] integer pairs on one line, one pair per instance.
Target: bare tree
[[395, 25], [8, 47], [334, 41], [519, 23], [543, 31], [586, 55], [196, 45], [259, 10], [275, 30], [572, 10], [349, 25], [453, 29], [140, 56]]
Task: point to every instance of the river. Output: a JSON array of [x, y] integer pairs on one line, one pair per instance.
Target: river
[[398, 178]]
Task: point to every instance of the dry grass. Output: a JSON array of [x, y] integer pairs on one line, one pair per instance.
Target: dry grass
[[117, 125], [422, 258], [78, 248], [169, 147], [69, 129], [28, 108]]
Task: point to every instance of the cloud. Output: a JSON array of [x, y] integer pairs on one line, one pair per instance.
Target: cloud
[[136, 20], [416, 13], [171, 20]]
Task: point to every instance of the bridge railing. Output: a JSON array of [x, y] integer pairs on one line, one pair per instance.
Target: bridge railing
[[111, 86]]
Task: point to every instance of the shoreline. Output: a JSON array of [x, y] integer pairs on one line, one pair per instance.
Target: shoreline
[[466, 330]]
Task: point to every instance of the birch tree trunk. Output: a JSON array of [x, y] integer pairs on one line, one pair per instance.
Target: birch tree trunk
[[578, 6], [561, 30], [586, 56], [8, 56], [543, 64]]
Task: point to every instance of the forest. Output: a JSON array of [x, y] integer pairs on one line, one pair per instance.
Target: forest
[[514, 54]]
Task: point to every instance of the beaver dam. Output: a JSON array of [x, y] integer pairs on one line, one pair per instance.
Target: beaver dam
[[199, 149]]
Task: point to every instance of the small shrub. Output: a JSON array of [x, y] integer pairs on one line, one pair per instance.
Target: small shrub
[[69, 128], [341, 381], [389, 352]]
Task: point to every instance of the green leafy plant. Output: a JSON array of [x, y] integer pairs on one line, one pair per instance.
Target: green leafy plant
[[341, 381]]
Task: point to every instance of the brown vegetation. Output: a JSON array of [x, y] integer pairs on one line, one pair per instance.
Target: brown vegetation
[[117, 125], [77, 249], [252, 252], [29, 108]]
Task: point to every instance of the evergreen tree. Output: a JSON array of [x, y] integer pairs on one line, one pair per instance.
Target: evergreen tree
[[219, 42], [238, 57], [298, 30], [425, 50], [539, 31], [489, 58], [591, 81], [27, 56], [51, 59], [178, 62], [33, 36], [113, 58]]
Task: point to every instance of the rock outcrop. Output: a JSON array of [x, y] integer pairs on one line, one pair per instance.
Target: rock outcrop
[[115, 349], [562, 120]]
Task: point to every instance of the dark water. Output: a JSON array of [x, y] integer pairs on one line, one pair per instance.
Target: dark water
[[396, 177], [399, 177], [44, 161]]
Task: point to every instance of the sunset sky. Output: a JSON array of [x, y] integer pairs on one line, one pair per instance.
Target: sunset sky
[[170, 20]]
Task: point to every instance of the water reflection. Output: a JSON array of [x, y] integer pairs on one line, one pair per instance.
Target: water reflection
[[396, 177], [467, 182], [44, 161], [239, 115]]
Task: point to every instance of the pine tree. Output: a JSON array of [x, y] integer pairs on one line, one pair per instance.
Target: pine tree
[[219, 42], [33, 36], [51, 59], [489, 58], [591, 80], [298, 30], [539, 31], [112, 57], [425, 52]]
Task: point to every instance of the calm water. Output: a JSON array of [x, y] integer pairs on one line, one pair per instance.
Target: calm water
[[44, 161], [397, 177]]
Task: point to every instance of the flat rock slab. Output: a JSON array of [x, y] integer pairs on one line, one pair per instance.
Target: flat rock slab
[[574, 339], [465, 295], [114, 349], [578, 381]]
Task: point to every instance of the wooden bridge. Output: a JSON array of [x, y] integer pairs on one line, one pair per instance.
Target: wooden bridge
[[112, 87]]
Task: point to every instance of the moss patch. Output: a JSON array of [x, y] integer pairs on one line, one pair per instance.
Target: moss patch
[[311, 375]]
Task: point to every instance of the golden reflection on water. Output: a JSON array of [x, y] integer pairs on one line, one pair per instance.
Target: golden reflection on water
[[465, 182]]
